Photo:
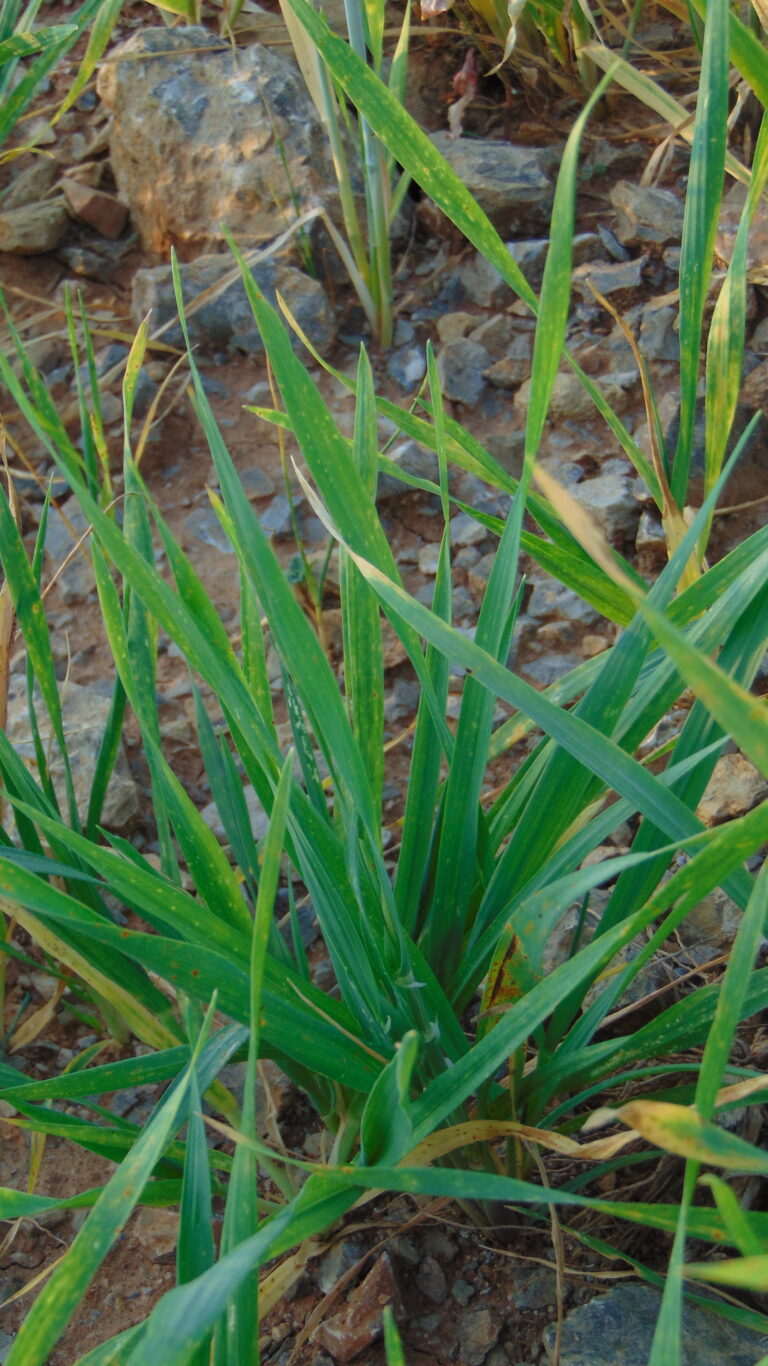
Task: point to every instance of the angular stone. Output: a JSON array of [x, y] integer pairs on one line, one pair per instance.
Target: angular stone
[[610, 498], [478, 1333], [430, 1278], [552, 599], [360, 1322], [33, 228], [102, 212], [85, 713], [646, 217], [451, 326], [515, 367], [569, 398], [465, 530], [412, 459], [513, 185], [617, 1330], [461, 365], [734, 788], [226, 321], [31, 184], [659, 337], [235, 138], [614, 277]]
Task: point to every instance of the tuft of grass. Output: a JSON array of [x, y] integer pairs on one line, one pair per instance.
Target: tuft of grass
[[449, 919]]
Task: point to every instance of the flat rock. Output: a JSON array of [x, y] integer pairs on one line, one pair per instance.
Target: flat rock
[[232, 130], [225, 321], [514, 185], [33, 228], [617, 1330], [609, 277], [86, 713], [646, 216]]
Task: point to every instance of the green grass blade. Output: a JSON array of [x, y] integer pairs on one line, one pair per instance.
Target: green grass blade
[[240, 1332], [361, 625], [51, 1311], [702, 208]]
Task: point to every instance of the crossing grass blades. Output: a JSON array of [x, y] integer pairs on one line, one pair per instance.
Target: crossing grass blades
[[451, 922]]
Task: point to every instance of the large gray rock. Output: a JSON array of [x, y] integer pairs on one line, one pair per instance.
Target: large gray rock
[[225, 321], [617, 1330], [85, 714], [514, 185], [204, 135]]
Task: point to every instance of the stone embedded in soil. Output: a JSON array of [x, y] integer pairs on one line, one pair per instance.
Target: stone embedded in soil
[[206, 527], [548, 669], [514, 185], [728, 226], [66, 527], [407, 366], [360, 1322], [659, 337], [552, 599], [711, 926], [461, 365], [235, 139], [646, 216], [734, 788], [569, 400], [31, 184], [451, 326], [617, 1330], [478, 1333], [85, 716], [465, 530], [412, 459], [610, 498], [34, 228], [430, 1279], [609, 278], [531, 255], [225, 321], [256, 814], [157, 1230]]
